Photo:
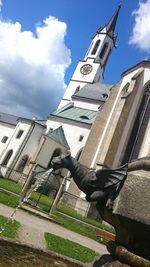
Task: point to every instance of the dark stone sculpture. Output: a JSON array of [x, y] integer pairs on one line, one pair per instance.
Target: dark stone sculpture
[[97, 185], [122, 200]]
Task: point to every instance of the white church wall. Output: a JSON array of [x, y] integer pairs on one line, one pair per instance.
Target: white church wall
[[145, 148], [15, 142], [73, 134], [86, 105], [78, 76], [45, 154], [6, 130], [26, 144], [71, 89], [146, 75], [31, 146]]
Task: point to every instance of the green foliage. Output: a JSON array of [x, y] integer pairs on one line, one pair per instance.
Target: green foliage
[[11, 228], [8, 199], [68, 248], [10, 185]]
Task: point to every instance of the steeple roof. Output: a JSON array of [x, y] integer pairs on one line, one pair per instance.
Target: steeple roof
[[58, 135], [110, 26]]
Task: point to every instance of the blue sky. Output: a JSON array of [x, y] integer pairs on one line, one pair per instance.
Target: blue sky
[[27, 79]]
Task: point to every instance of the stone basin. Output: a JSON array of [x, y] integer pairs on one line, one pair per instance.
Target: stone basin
[[16, 254]]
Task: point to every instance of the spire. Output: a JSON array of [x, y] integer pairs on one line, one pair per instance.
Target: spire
[[112, 23], [110, 26]]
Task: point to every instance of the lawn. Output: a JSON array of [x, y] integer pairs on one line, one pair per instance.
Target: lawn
[[9, 199], [11, 228], [10, 185], [68, 248], [44, 202]]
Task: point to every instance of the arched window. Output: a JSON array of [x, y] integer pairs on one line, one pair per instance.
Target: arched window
[[22, 163], [56, 153], [7, 157], [104, 49], [139, 128], [95, 47]]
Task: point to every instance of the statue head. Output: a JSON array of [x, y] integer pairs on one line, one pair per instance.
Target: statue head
[[62, 161]]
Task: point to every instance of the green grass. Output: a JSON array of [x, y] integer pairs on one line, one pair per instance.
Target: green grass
[[68, 248], [10, 185], [11, 228], [71, 212], [8, 199], [44, 202], [78, 227]]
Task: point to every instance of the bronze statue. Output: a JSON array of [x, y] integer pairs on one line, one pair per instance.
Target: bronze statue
[[97, 185]]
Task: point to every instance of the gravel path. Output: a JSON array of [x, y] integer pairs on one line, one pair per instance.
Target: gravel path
[[33, 229]]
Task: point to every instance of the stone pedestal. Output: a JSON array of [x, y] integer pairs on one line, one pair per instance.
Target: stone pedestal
[[129, 213]]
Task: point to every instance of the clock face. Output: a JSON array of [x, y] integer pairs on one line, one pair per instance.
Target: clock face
[[86, 69]]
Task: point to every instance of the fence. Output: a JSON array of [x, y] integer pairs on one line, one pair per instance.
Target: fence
[[50, 189], [13, 175], [75, 202]]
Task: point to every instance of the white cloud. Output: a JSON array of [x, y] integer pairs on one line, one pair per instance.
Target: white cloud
[[32, 67], [141, 30]]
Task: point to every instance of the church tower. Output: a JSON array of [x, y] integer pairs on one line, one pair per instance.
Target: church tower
[[91, 69]]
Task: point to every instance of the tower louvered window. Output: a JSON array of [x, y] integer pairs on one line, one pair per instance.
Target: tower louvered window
[[104, 49], [95, 47]]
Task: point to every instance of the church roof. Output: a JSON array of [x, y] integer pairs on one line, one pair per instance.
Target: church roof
[[77, 114], [97, 92], [59, 136], [8, 118]]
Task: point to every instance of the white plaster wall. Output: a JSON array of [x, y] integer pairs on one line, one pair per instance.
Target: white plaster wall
[[32, 144], [72, 134], [146, 75], [5, 130], [46, 151], [15, 143], [97, 37], [86, 105], [145, 148], [19, 146], [127, 78]]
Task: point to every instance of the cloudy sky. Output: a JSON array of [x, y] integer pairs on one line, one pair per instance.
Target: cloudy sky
[[42, 41]]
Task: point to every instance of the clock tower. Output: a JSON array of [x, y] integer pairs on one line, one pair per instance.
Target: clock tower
[[91, 69]]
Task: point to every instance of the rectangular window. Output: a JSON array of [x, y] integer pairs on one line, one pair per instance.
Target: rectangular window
[[81, 138], [19, 134], [4, 139]]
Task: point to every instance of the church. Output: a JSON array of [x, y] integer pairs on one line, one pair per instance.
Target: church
[[100, 124]]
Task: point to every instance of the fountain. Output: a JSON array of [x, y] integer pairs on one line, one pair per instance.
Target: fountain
[[16, 254], [122, 199]]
